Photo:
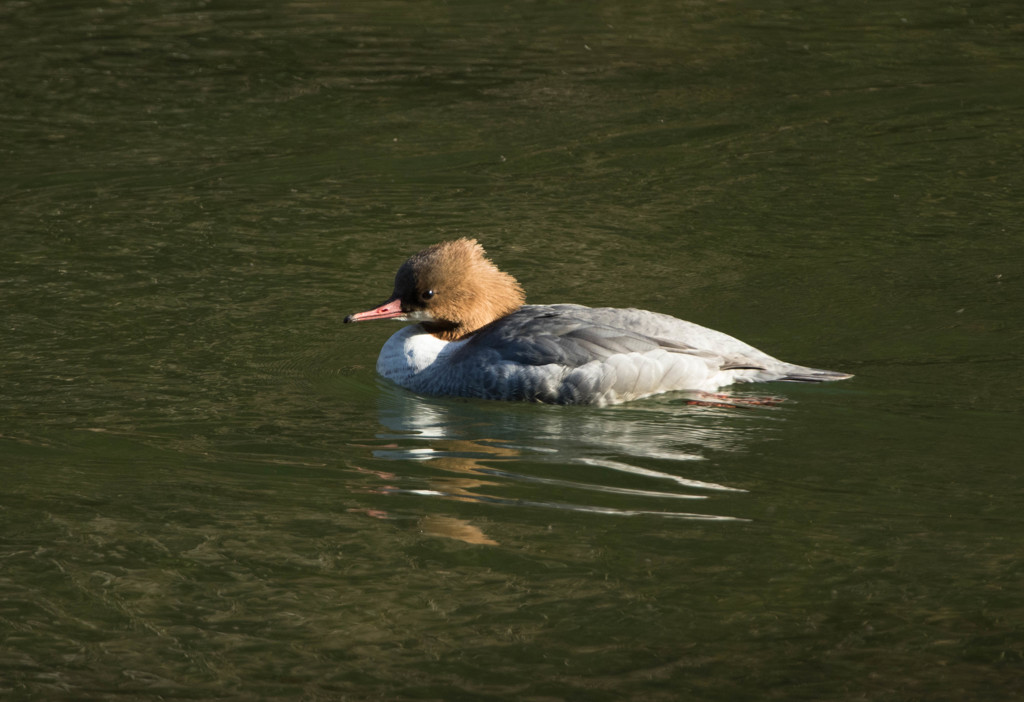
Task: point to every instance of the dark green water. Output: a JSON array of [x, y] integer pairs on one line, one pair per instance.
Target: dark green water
[[207, 493]]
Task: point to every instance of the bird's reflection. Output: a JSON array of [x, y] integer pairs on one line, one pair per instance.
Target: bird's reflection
[[629, 460]]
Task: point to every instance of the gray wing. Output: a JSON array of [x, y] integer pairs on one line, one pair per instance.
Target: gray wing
[[504, 359], [571, 336]]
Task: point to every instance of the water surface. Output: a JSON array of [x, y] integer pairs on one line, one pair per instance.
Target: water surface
[[208, 493]]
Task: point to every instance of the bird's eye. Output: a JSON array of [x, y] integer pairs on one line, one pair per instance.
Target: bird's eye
[[427, 295]]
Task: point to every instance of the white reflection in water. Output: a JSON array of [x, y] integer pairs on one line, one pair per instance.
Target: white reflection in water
[[627, 468], [541, 450]]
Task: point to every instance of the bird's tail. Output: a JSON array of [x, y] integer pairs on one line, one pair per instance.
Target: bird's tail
[[803, 374]]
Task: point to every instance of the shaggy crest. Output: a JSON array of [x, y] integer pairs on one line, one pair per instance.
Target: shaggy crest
[[456, 288]]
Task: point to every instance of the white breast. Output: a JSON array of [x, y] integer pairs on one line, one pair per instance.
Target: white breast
[[410, 355]]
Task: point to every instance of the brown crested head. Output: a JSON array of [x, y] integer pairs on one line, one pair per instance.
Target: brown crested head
[[454, 289]]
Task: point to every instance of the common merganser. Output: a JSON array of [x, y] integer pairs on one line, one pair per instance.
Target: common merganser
[[474, 337]]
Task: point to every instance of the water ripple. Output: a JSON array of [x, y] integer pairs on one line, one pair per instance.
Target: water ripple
[[597, 461]]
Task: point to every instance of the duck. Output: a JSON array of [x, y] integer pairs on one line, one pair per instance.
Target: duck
[[471, 335]]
